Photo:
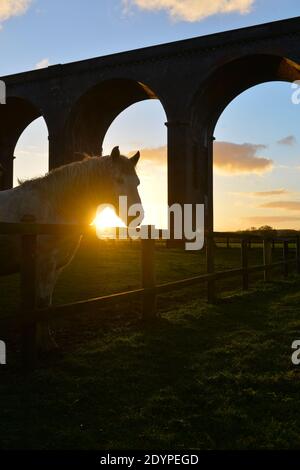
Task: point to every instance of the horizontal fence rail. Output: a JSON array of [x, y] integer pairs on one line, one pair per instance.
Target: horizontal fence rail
[[30, 316]]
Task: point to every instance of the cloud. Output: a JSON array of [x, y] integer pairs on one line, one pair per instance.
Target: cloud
[[229, 158], [233, 158], [263, 220], [274, 192], [286, 205], [288, 140], [10, 8], [42, 63], [157, 155], [192, 10]]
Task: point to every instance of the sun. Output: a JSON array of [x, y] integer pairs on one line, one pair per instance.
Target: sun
[[107, 218]]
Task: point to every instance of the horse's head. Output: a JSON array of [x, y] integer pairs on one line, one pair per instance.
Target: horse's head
[[125, 182]]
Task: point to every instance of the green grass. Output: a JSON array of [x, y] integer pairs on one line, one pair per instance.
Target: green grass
[[200, 377]]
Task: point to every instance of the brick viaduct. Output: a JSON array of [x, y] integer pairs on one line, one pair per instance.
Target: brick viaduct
[[194, 80]]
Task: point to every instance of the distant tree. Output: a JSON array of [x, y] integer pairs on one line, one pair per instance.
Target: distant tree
[[247, 230], [266, 228], [263, 230]]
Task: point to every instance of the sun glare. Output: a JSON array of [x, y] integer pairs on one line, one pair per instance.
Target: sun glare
[[106, 219]]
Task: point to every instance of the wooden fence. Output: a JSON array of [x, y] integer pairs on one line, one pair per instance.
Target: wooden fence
[[29, 316]]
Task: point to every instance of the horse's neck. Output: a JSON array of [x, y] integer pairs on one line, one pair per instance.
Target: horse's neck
[[72, 202]]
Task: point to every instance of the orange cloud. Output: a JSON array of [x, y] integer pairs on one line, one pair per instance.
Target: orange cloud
[[229, 158], [42, 64], [156, 155], [9, 8], [263, 220], [286, 205], [274, 192], [192, 10], [233, 158]]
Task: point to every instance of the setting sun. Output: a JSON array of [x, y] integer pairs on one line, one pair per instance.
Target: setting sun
[[106, 219]]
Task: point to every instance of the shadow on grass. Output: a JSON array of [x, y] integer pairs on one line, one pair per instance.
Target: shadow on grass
[[201, 377]]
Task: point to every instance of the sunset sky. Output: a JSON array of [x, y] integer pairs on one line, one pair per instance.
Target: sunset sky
[[257, 148]]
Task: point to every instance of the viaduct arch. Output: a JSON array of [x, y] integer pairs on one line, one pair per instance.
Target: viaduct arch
[[194, 80]]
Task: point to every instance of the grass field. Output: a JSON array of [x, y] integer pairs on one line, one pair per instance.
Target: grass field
[[200, 377]]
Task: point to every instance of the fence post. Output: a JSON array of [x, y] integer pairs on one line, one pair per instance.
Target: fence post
[[244, 262], [28, 296], [298, 254], [210, 267], [285, 257], [267, 246], [148, 277]]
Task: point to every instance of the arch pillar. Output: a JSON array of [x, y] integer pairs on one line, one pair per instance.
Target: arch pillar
[[8, 140], [57, 155], [177, 161], [189, 169], [7, 164], [58, 142], [203, 139], [15, 116], [202, 180]]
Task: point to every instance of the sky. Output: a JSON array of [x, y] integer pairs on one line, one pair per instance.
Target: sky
[[257, 148]]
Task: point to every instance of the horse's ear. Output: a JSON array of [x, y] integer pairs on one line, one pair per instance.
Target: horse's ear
[[134, 160], [115, 153]]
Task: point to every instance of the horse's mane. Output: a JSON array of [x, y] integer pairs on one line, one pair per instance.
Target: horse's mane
[[76, 172], [82, 181]]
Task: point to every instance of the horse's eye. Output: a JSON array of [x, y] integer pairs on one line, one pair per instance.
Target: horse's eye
[[119, 180]]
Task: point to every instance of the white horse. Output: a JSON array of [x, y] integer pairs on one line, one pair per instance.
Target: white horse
[[68, 194]]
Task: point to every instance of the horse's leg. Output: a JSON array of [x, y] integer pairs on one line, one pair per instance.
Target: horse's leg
[[53, 253], [47, 276]]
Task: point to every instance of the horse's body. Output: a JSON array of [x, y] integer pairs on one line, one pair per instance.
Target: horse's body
[[14, 204], [69, 194]]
